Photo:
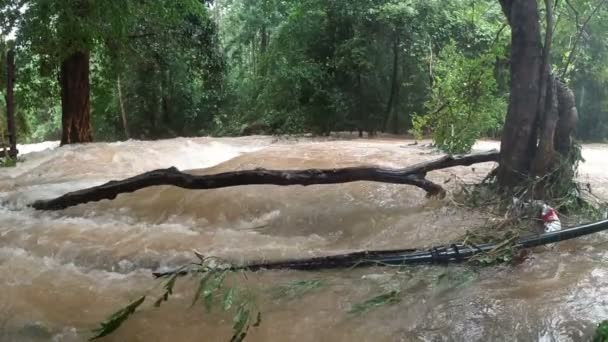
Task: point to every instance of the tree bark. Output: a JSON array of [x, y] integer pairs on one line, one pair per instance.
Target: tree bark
[[519, 133], [547, 105], [568, 118], [542, 115], [75, 102], [546, 53], [414, 175], [123, 112], [545, 153]]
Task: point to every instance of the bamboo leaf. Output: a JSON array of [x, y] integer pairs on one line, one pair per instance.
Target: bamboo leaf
[[171, 283], [201, 286], [211, 288], [117, 319], [240, 320], [258, 320], [375, 302], [228, 299], [296, 289], [238, 338], [168, 290]]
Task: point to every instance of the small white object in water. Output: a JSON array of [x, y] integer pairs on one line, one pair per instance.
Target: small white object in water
[[550, 219]]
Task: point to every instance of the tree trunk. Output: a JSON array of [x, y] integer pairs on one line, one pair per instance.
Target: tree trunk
[[166, 98], [390, 116], [545, 153], [123, 112], [10, 103], [396, 114], [519, 132], [263, 39], [542, 114], [568, 118], [547, 105], [75, 102]]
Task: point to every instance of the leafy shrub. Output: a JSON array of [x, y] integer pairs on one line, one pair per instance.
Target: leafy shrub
[[464, 104]]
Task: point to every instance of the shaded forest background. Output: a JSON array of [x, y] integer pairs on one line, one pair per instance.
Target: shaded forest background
[[232, 67]]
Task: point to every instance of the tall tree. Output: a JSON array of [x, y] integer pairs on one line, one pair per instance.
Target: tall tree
[[74, 71], [64, 33], [541, 115]]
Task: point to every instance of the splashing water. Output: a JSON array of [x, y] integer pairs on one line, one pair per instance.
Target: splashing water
[[63, 272]]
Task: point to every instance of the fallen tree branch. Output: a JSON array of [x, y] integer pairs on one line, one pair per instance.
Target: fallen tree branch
[[413, 175]]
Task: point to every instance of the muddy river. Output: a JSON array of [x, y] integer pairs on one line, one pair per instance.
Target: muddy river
[[63, 272]]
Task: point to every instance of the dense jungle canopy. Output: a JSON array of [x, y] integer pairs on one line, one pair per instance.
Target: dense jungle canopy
[[227, 67]]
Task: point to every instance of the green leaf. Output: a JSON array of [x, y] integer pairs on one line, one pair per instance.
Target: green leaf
[[168, 290], [117, 319], [171, 283], [601, 332], [211, 288], [201, 286], [297, 288], [389, 298], [228, 299], [240, 322], [239, 338], [258, 320]]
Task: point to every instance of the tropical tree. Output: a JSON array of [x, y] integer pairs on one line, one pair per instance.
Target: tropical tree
[[63, 35], [542, 113]]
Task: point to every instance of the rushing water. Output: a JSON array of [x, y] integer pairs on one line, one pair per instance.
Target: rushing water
[[63, 272]]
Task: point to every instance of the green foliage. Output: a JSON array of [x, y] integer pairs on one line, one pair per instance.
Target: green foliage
[[601, 332], [587, 73], [8, 162], [503, 255], [454, 278], [117, 319], [319, 66], [212, 290], [167, 55], [297, 289], [237, 67], [389, 298], [169, 285], [464, 104]]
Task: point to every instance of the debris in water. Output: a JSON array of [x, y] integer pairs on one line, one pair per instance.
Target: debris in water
[[551, 221]]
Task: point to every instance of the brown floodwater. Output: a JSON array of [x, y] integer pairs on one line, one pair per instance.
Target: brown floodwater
[[63, 272]]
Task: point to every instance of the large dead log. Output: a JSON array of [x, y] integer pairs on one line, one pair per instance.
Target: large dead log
[[413, 175]]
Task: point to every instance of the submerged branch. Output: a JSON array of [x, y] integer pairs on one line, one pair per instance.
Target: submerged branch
[[413, 175]]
